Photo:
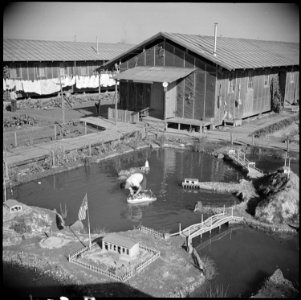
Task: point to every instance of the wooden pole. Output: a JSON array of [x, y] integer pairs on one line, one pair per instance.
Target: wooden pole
[[5, 161], [85, 127], [165, 123], [89, 224], [99, 91], [53, 158], [89, 149], [4, 185], [115, 102], [179, 227], [287, 145], [55, 131], [232, 211], [253, 139], [231, 138], [16, 144], [202, 218], [63, 103], [224, 209]]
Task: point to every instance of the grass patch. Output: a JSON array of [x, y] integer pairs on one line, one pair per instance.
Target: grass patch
[[274, 127]]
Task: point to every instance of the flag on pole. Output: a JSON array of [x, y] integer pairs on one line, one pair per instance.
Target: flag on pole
[[83, 209]]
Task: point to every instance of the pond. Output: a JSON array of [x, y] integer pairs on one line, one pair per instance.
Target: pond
[[242, 262], [108, 209]]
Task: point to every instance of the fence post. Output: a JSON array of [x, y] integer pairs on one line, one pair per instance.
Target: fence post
[[231, 138], [85, 127], [224, 209], [252, 139], [202, 218], [53, 158], [287, 145], [232, 211], [16, 144], [90, 149], [55, 131]]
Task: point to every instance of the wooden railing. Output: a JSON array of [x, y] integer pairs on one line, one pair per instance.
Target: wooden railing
[[151, 231], [243, 161], [209, 224], [123, 115]]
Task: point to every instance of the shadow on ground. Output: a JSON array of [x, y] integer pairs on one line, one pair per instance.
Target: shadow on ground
[[116, 289]]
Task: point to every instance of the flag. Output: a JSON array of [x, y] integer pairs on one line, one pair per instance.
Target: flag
[[83, 209]]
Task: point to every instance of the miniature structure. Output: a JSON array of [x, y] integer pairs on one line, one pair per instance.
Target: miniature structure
[[13, 205], [121, 245], [191, 183], [239, 158], [142, 197]]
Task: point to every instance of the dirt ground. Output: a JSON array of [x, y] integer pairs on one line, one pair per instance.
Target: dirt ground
[[35, 118], [47, 248]]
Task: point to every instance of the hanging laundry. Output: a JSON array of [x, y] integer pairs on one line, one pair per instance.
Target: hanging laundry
[[49, 86], [19, 86]]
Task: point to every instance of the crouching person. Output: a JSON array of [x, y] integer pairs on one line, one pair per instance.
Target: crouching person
[[134, 184]]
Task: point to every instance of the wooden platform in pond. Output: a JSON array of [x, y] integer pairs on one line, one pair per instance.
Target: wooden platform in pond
[[98, 121]]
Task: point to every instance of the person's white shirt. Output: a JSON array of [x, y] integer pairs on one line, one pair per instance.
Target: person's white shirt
[[134, 181]]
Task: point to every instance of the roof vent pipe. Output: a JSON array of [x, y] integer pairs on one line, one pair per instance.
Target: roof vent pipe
[[97, 44], [215, 37]]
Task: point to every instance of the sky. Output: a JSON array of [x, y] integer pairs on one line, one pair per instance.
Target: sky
[[134, 22]]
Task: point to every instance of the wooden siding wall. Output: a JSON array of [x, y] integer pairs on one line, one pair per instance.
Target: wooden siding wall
[[29, 70], [243, 101], [195, 93], [134, 96], [204, 94]]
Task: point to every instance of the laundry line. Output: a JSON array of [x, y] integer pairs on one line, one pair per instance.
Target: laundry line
[[53, 85]]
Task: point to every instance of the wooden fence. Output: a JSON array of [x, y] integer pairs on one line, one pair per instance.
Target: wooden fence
[[126, 276], [152, 231], [29, 136], [123, 115]]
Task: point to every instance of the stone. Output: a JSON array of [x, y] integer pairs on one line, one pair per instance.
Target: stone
[[198, 206], [220, 156], [77, 226]]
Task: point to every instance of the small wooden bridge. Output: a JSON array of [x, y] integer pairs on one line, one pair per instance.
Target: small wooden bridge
[[215, 221], [239, 158]]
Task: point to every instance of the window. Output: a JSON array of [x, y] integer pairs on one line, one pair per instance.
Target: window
[[84, 69], [232, 83], [15, 71], [41, 71], [250, 80], [63, 70], [266, 80]]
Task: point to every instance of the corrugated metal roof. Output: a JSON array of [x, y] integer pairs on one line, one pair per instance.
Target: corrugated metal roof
[[119, 240], [38, 50], [231, 53], [154, 74]]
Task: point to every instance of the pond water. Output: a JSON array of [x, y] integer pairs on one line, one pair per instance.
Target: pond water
[[245, 257], [108, 209], [242, 262]]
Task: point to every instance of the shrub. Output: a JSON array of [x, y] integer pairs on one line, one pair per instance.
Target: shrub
[[20, 227], [209, 267], [275, 95], [217, 292]]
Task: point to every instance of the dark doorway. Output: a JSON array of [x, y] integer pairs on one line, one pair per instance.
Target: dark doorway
[[282, 82]]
